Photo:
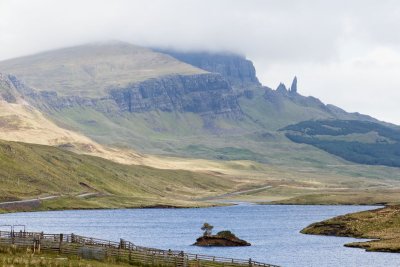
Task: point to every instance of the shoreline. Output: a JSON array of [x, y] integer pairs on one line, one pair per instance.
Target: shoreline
[[150, 206], [379, 225], [222, 203]]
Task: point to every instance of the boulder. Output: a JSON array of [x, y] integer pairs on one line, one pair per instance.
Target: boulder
[[221, 239]]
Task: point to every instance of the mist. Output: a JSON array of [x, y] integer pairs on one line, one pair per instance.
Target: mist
[[344, 52]]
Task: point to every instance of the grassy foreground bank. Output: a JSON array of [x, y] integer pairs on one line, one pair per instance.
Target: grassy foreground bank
[[382, 225], [17, 257]]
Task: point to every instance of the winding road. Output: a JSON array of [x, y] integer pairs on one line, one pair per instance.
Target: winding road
[[36, 201], [254, 190]]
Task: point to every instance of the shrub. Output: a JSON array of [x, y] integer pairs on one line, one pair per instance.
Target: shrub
[[226, 234]]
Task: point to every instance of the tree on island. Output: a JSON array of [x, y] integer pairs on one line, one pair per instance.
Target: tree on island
[[207, 228]]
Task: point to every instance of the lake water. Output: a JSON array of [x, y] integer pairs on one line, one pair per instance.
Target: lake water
[[273, 231]]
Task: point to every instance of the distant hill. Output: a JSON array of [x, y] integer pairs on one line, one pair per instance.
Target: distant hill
[[88, 70], [186, 104], [197, 111], [357, 141]]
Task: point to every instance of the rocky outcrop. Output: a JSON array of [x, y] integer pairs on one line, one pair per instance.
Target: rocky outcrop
[[46, 100], [293, 88], [282, 93], [215, 241], [8, 91], [239, 71], [282, 88], [222, 239], [200, 93], [205, 94]]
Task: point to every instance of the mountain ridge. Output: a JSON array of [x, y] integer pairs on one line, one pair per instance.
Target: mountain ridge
[[88, 70], [205, 113], [224, 124], [238, 70]]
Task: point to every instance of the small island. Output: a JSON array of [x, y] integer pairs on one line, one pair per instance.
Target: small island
[[221, 239]]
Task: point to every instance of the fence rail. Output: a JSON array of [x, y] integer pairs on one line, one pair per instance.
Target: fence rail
[[123, 251]]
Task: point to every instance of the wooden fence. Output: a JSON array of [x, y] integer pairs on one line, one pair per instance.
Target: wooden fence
[[123, 251]]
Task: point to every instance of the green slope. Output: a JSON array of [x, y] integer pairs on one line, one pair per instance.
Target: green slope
[[357, 141], [28, 171], [184, 134], [252, 136]]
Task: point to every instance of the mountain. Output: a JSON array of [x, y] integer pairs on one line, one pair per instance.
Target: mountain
[[88, 70], [237, 70], [219, 112], [193, 110]]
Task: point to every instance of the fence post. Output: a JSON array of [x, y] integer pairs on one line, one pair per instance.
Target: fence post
[[121, 243], [146, 256], [39, 241], [130, 253], [119, 248], [176, 261], [34, 244], [72, 238], [182, 259], [60, 244], [106, 252]]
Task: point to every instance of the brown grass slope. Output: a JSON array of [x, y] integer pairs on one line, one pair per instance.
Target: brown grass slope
[[382, 224], [28, 170]]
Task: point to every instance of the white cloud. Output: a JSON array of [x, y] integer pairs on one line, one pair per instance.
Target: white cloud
[[344, 52]]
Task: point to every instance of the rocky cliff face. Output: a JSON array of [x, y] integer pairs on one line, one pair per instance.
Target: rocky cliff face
[[46, 100], [239, 71], [8, 92], [203, 93]]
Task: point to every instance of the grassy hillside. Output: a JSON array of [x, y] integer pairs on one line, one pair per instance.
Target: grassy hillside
[[252, 136], [356, 141], [276, 111], [249, 157], [380, 224], [246, 150], [190, 135], [184, 134], [28, 171], [89, 70], [22, 122]]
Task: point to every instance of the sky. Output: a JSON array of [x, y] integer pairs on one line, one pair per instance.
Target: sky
[[346, 53]]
